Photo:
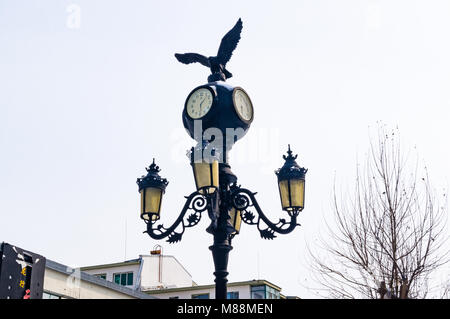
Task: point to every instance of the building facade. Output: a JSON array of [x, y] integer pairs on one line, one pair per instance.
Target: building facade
[[164, 277], [62, 282], [254, 289], [148, 272], [152, 276]]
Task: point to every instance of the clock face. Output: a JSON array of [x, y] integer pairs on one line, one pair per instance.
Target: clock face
[[199, 103], [243, 105]]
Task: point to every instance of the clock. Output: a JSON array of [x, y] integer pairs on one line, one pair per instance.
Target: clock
[[199, 102], [218, 106], [243, 105]]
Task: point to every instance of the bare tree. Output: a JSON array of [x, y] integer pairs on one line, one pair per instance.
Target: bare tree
[[389, 234]]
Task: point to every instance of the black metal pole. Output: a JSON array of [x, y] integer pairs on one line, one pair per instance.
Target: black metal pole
[[220, 250], [222, 242]]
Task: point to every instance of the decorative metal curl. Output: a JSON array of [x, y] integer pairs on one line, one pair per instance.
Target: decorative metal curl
[[244, 200], [195, 202], [241, 201]]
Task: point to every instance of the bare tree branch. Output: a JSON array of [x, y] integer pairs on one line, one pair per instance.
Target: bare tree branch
[[390, 232]]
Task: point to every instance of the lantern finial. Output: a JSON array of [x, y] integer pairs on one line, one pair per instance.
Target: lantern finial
[[152, 179], [289, 157], [153, 168]]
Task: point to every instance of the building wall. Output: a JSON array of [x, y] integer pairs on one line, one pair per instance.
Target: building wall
[[244, 293], [253, 289], [73, 287], [173, 273], [113, 270]]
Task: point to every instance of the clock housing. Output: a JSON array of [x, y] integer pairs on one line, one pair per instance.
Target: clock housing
[[223, 113]]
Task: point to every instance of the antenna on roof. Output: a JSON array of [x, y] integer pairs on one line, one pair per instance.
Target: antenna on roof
[[157, 250], [125, 252], [257, 264]]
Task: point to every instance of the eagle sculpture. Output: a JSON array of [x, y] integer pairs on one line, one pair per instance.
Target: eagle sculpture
[[217, 63]]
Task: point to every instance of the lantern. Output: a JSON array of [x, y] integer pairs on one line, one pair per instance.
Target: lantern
[[291, 183], [205, 166], [235, 220], [151, 188]]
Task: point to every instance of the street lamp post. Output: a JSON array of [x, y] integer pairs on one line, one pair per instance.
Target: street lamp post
[[210, 113]]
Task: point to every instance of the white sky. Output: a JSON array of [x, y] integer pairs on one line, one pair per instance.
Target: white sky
[[84, 108]]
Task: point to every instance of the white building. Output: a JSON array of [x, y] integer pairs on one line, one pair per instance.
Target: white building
[[164, 277], [148, 272], [62, 282], [152, 276], [254, 289]]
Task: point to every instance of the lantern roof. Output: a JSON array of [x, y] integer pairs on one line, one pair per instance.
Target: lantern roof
[[152, 179], [290, 169]]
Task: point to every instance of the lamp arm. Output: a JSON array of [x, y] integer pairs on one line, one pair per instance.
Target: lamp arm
[[243, 200], [196, 202]]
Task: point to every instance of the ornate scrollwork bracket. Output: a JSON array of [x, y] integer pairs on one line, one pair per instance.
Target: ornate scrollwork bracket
[[197, 203], [244, 200]]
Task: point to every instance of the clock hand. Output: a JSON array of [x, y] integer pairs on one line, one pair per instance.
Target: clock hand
[[202, 103]]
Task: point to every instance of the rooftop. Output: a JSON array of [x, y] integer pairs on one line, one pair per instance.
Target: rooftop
[[202, 287], [132, 262], [96, 280]]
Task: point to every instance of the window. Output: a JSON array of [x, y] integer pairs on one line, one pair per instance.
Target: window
[[258, 292], [272, 293], [264, 292], [124, 279], [200, 296], [233, 295], [48, 295], [103, 276]]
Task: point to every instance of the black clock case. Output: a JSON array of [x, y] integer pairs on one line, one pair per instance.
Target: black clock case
[[222, 114]]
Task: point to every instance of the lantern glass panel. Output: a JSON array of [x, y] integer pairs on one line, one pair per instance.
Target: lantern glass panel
[[235, 219], [215, 171], [151, 203], [297, 192], [206, 176], [284, 194]]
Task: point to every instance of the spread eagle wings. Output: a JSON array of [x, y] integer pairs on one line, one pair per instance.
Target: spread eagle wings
[[188, 58], [227, 45]]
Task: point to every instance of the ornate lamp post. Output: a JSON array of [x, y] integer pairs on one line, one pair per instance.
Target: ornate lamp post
[[219, 107]]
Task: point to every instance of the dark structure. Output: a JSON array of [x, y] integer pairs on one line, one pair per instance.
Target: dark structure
[[225, 115], [217, 115], [217, 63], [21, 273]]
